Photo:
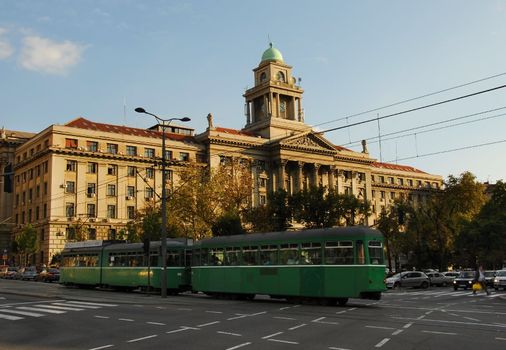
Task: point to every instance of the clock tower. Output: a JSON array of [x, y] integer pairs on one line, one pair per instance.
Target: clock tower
[[274, 105]]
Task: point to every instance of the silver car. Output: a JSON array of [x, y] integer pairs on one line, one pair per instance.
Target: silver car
[[439, 279], [408, 279], [500, 279]]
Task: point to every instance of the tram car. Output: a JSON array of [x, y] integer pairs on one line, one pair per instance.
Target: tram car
[[325, 265], [125, 266]]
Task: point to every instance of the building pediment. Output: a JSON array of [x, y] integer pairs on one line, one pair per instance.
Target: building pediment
[[308, 141]]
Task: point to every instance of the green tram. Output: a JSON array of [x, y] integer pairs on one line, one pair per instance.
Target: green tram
[[124, 266], [326, 265]]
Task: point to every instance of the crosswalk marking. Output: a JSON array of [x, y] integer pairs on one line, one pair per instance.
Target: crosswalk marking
[[88, 303], [438, 294], [77, 305], [11, 318], [19, 312], [49, 311], [55, 307]]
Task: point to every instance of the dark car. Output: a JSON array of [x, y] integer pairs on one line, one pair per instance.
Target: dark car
[[464, 280], [49, 275]]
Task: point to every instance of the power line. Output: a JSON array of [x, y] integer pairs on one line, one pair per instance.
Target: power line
[[414, 109], [450, 150], [411, 99], [357, 142]]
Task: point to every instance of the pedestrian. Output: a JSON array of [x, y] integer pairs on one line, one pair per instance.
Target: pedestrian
[[479, 277]]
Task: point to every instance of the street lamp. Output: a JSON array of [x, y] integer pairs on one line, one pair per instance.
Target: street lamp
[[163, 123]]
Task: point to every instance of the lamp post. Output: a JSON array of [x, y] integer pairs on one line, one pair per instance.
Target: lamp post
[[163, 123]]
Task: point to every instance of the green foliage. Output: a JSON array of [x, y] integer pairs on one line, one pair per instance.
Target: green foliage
[[228, 224], [27, 242]]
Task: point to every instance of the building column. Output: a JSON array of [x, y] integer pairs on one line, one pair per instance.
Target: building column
[[278, 106], [281, 172], [332, 170], [315, 174], [301, 115], [300, 165], [294, 110]]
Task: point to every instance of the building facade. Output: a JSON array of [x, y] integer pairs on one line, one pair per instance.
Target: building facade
[[87, 180]]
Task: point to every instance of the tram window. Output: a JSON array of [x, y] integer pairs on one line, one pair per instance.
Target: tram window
[[376, 252], [173, 258], [249, 255], [311, 254], [288, 254], [153, 259], [188, 257], [204, 257], [339, 253], [232, 256], [268, 255], [196, 257], [360, 253], [216, 257]]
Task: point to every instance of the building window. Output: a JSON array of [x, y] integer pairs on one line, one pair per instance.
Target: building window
[[131, 191], [348, 190], [29, 215], [149, 193], [373, 194], [42, 236], [400, 181], [69, 210], [410, 182], [71, 143], [44, 212], [168, 175], [91, 189], [92, 146], [392, 195], [391, 180], [90, 210], [111, 211], [381, 179], [112, 148], [111, 190], [71, 165], [45, 187], [111, 234], [150, 173], [30, 195], [149, 152], [263, 199], [70, 187], [37, 170], [131, 150], [263, 182], [131, 212], [168, 154], [131, 171], [111, 169], [382, 194], [30, 176], [92, 168], [92, 233], [37, 191], [184, 156], [45, 167]]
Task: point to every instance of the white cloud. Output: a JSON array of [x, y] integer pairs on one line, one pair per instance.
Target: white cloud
[[6, 49], [44, 55]]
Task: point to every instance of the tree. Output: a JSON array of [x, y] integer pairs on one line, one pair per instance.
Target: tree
[[273, 216], [228, 224], [27, 242]]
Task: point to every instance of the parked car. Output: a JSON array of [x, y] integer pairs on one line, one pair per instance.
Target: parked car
[[451, 275], [500, 279], [408, 279], [438, 279], [49, 275], [489, 277], [29, 274], [10, 273], [464, 280]]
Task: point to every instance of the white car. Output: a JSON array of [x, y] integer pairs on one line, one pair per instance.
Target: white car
[[500, 279]]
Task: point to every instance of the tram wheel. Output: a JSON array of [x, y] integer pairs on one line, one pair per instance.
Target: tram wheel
[[342, 301]]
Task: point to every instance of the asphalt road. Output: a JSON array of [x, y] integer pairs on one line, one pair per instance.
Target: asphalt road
[[48, 316]]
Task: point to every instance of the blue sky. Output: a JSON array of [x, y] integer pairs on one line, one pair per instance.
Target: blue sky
[[63, 59]]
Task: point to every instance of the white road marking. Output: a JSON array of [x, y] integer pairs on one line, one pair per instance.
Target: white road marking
[[472, 319], [398, 331], [208, 324], [238, 346], [102, 347], [318, 319], [78, 305], [183, 328], [381, 343], [54, 307], [97, 316], [353, 308], [284, 318], [284, 341], [228, 333], [215, 312], [272, 335], [10, 317], [380, 327], [499, 338], [49, 311], [298, 326], [457, 322], [143, 338], [284, 308], [443, 333], [19, 312], [236, 318], [407, 325], [125, 319], [156, 323], [341, 312], [332, 348], [89, 303]]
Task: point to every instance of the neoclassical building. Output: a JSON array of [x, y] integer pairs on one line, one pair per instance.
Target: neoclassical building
[[95, 176]]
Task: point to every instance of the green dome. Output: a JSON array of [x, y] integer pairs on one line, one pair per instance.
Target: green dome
[[272, 54]]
